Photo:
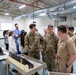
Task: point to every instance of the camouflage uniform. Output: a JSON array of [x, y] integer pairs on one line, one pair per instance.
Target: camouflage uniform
[[33, 44], [50, 50]]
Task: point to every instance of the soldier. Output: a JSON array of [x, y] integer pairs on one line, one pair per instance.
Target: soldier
[[33, 43], [66, 53], [71, 34], [48, 54]]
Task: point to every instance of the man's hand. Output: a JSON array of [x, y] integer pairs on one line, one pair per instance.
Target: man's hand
[[56, 56], [16, 35]]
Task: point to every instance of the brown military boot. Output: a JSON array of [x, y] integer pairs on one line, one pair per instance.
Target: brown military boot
[[36, 73]]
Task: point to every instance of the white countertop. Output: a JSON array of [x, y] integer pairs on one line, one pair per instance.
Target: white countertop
[[2, 57]]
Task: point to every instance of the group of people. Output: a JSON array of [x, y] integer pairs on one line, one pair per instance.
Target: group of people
[[58, 51], [14, 40]]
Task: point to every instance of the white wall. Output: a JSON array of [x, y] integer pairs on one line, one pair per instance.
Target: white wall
[[74, 23], [4, 19], [69, 22], [7, 19], [21, 23], [63, 23], [24, 23], [41, 23]]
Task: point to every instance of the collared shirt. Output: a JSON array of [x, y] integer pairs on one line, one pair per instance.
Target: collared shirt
[[51, 41], [73, 38], [66, 47], [32, 41], [16, 31]]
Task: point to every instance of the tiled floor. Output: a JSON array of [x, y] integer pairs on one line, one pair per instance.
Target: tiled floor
[[3, 68], [74, 64], [2, 43]]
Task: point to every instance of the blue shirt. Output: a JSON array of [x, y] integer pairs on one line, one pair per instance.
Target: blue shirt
[[16, 31]]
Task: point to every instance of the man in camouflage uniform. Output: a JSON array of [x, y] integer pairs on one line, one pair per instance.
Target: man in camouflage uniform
[[33, 43], [51, 41], [70, 31]]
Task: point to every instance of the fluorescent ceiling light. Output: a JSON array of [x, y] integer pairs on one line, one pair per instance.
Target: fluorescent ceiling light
[[6, 13], [22, 6], [42, 14], [38, 11], [74, 7]]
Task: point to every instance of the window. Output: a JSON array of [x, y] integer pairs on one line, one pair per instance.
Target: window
[[6, 26]]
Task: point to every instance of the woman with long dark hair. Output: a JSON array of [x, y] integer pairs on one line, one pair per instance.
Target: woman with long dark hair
[[22, 48]]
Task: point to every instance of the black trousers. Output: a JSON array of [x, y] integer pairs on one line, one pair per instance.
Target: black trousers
[[7, 46]]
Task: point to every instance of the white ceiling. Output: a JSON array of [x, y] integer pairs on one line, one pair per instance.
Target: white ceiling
[[11, 6]]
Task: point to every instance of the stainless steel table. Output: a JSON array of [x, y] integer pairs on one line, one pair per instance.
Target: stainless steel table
[[37, 65]]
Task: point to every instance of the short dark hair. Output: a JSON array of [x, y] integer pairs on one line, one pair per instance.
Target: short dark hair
[[32, 25], [62, 28], [71, 28], [16, 24], [50, 26]]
